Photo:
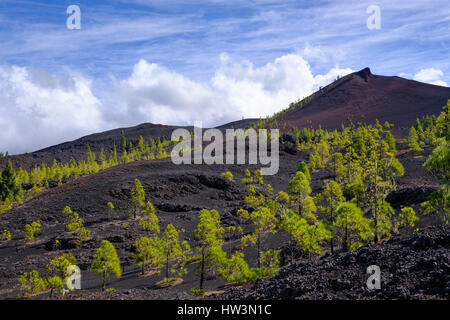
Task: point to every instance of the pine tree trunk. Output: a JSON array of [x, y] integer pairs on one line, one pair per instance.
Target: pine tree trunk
[[104, 281], [202, 269], [332, 244], [259, 256], [346, 239], [167, 266], [292, 250], [334, 170], [345, 244], [332, 235], [376, 238]]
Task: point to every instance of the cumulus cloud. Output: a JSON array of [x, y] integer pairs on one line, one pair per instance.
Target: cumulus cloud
[[430, 75], [255, 92], [259, 92], [156, 94], [39, 109]]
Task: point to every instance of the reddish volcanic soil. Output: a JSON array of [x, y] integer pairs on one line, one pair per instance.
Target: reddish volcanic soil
[[364, 97]]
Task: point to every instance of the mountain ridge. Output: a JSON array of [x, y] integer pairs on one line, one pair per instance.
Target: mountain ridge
[[360, 96], [363, 97]]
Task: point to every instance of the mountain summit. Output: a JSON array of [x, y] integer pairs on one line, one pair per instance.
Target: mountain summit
[[363, 97]]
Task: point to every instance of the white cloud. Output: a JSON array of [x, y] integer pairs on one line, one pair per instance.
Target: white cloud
[[154, 93], [39, 109], [405, 75], [430, 75], [439, 83], [258, 92], [323, 80]]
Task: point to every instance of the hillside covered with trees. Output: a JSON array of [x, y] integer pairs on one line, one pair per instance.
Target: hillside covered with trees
[[135, 223]]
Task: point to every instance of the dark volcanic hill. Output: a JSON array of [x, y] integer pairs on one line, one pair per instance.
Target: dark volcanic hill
[[107, 138], [76, 149], [363, 97]]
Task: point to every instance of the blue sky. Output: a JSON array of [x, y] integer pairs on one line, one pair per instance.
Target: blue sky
[[137, 61]]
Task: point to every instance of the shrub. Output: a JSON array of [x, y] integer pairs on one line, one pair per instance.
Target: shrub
[[55, 284], [110, 210], [248, 177], [5, 235], [198, 292], [31, 230], [303, 167], [76, 224], [227, 175], [32, 283]]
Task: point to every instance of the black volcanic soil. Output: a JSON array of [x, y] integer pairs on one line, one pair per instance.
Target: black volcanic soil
[[412, 267], [178, 193], [415, 266]]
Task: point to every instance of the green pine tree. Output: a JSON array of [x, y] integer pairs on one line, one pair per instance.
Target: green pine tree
[[174, 249], [9, 189], [413, 140], [209, 236], [106, 262], [353, 226], [138, 198]]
